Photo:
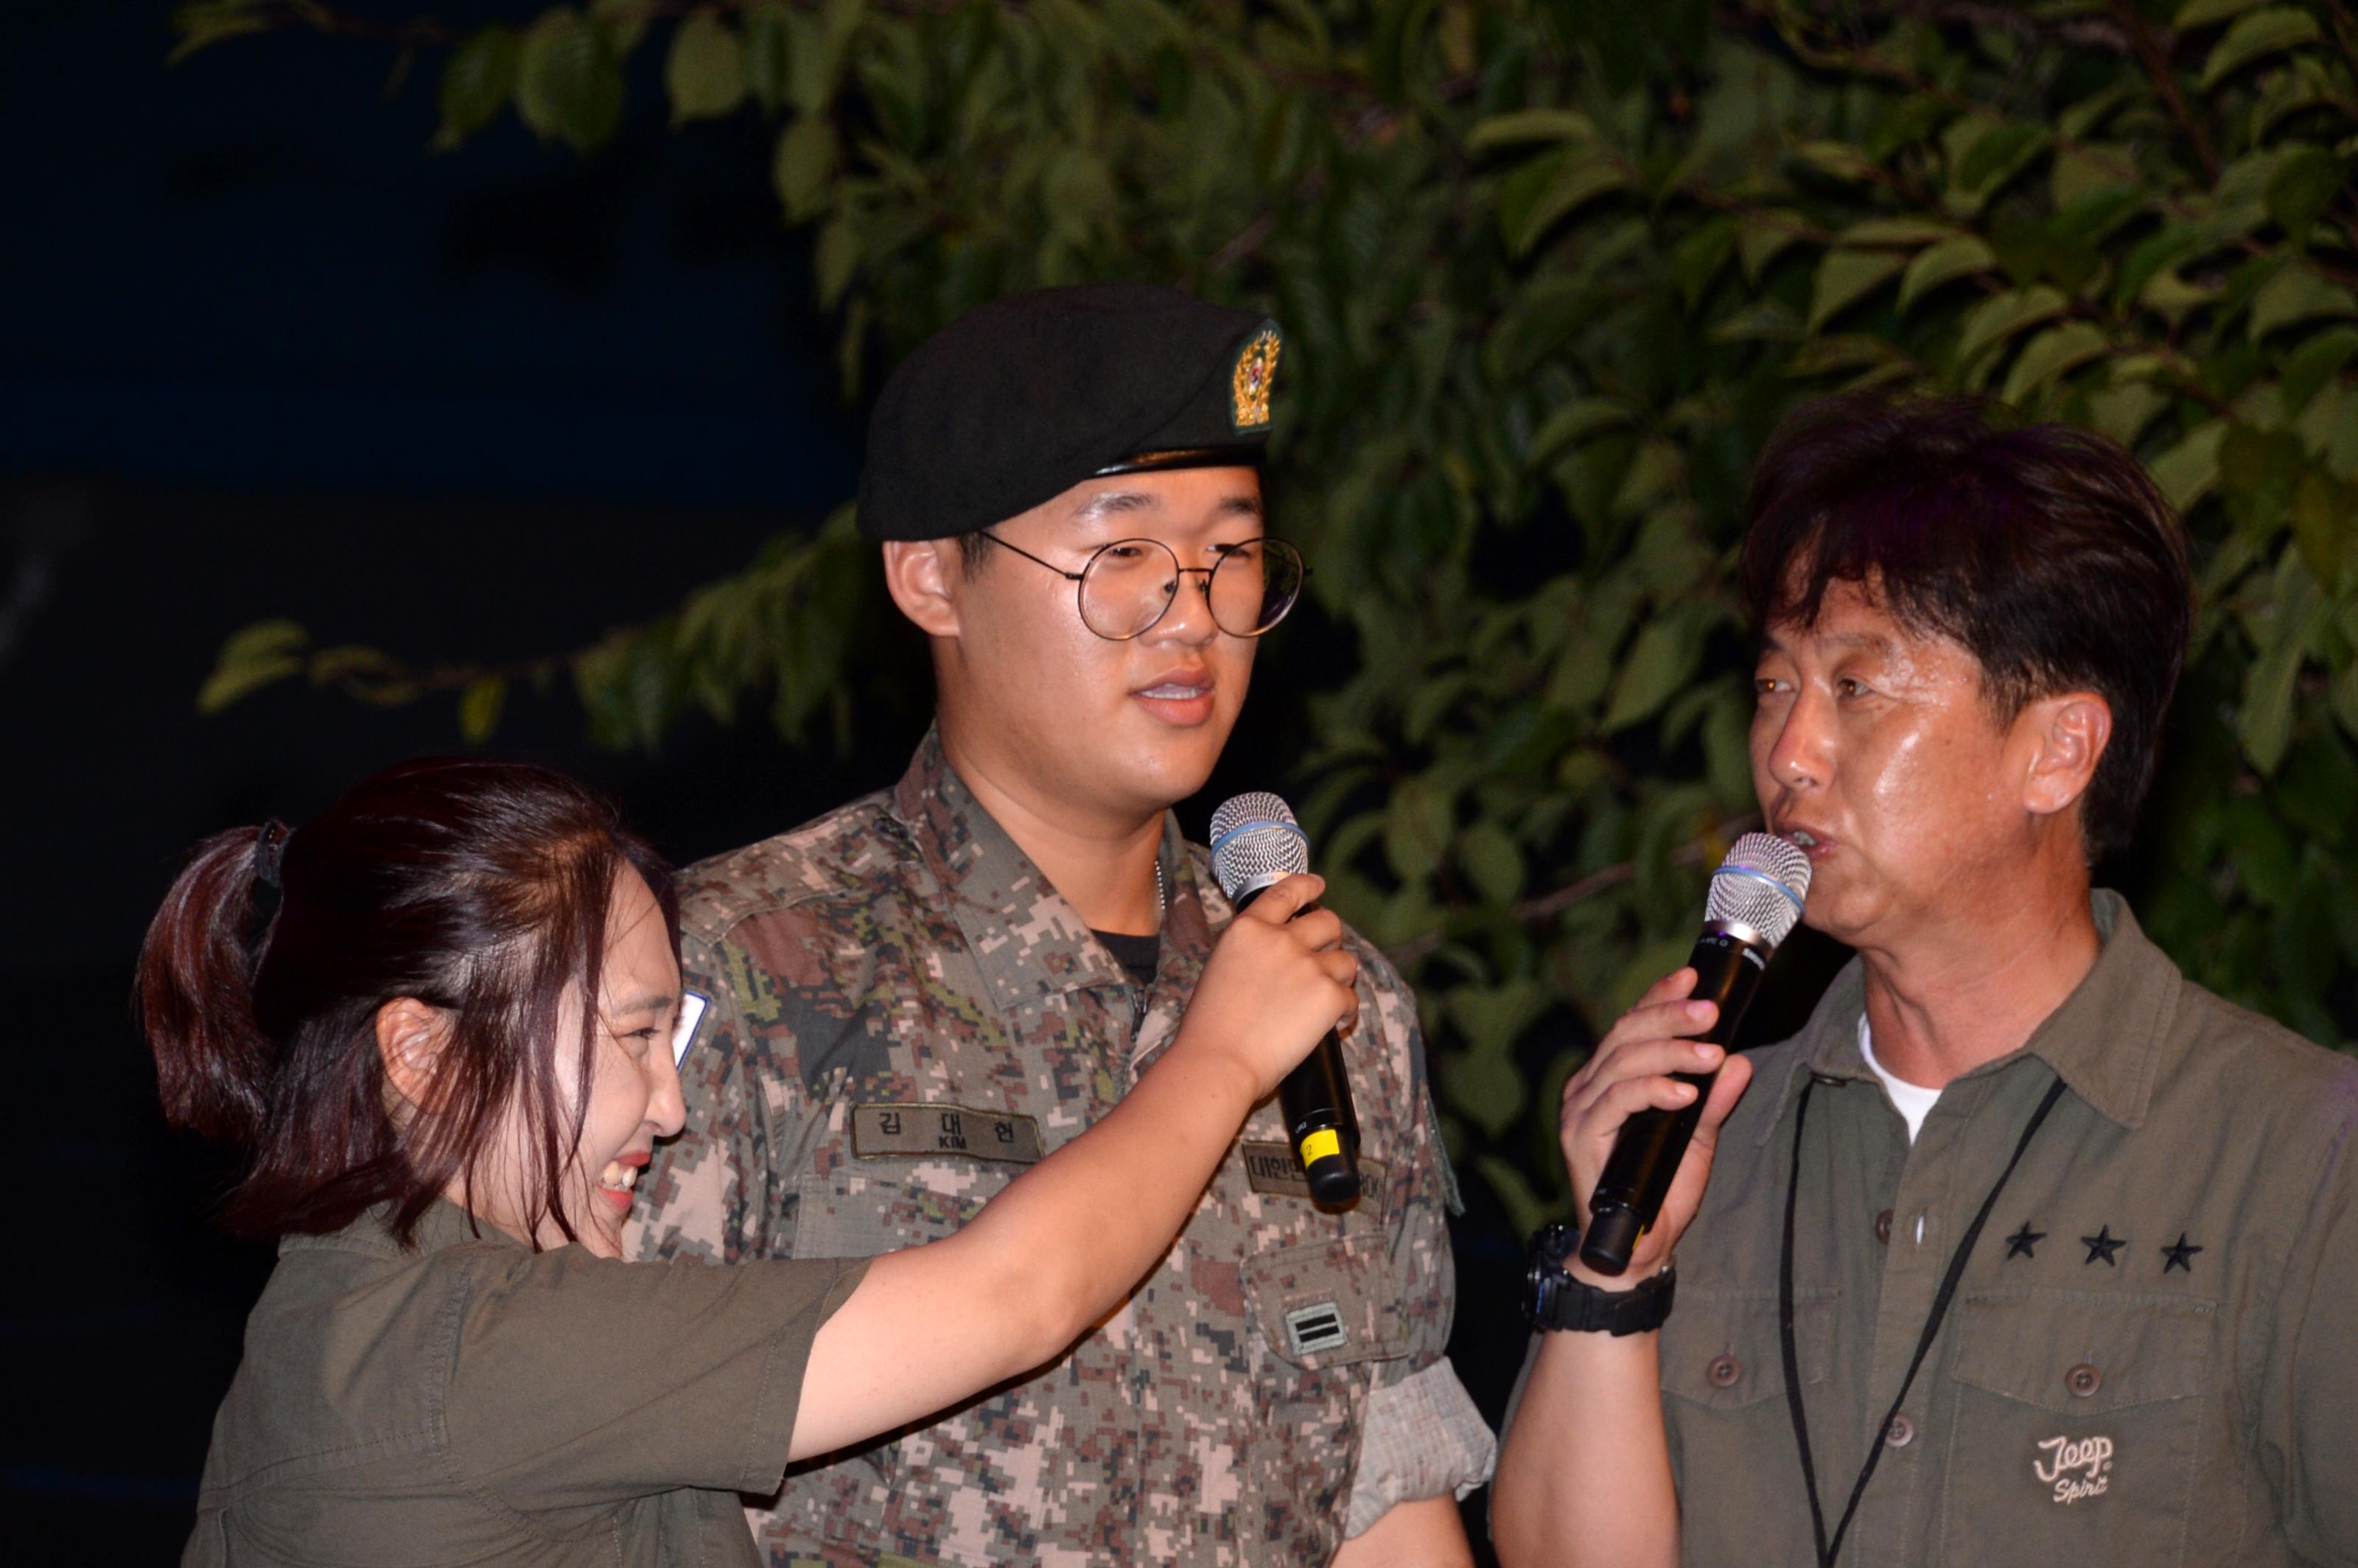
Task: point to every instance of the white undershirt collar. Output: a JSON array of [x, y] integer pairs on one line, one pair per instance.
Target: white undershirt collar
[[1912, 1101]]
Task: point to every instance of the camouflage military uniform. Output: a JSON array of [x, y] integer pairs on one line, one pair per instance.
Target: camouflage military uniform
[[904, 1016]]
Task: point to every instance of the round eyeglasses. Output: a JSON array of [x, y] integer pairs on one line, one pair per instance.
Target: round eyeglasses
[[1125, 588]]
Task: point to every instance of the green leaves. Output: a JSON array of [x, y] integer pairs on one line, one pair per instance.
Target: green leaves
[[1550, 188], [1844, 277], [477, 81], [478, 707], [705, 73], [2255, 36], [1530, 125], [207, 22], [266, 652], [2202, 13], [2285, 633], [2049, 356], [2304, 181], [1962, 256], [1544, 301], [1997, 153], [1998, 319], [2296, 295], [568, 83], [802, 168], [1664, 657], [768, 27]]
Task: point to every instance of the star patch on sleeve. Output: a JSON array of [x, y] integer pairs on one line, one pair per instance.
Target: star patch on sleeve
[[2020, 1243], [2180, 1254]]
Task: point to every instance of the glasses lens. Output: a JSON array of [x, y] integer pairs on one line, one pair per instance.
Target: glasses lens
[[1254, 585], [1127, 587]]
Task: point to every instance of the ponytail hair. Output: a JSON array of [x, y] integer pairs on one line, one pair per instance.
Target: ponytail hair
[[480, 889], [214, 1065]]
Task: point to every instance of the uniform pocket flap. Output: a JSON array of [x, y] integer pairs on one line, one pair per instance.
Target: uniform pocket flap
[[864, 1209], [2079, 1351], [1722, 1348], [1330, 1303]]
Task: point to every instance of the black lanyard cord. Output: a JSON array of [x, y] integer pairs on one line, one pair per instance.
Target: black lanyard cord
[[1941, 1300]]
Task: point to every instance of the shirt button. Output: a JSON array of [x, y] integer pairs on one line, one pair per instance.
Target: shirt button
[[1882, 1228], [1900, 1432], [1724, 1371], [2084, 1379]]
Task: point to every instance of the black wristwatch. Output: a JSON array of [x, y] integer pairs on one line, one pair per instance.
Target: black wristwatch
[[1552, 1299]]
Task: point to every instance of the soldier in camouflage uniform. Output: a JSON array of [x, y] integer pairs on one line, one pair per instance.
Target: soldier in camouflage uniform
[[919, 995]]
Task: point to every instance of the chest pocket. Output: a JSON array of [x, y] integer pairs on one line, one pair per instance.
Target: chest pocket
[[866, 1207], [2079, 1418], [1721, 1350], [1328, 1303], [1723, 1400]]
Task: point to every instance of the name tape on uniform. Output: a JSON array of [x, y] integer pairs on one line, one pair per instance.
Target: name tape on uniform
[[901, 1131], [1275, 1172]]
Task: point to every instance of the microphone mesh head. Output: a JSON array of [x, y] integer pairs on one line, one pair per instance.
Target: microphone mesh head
[[1760, 884], [1255, 841]]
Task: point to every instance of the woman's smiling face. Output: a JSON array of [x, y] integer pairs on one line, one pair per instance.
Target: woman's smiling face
[[634, 1093]]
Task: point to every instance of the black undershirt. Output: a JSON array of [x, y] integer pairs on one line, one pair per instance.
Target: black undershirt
[[1141, 956]]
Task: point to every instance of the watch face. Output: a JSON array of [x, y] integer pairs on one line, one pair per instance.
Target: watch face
[[1544, 1276]]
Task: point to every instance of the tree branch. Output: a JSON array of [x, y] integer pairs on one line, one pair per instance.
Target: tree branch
[[2165, 81]]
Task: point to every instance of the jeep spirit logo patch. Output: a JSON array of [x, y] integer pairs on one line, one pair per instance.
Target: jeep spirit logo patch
[[2076, 1468]]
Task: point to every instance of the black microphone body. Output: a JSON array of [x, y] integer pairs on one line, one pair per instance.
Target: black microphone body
[[1320, 1122], [1728, 963]]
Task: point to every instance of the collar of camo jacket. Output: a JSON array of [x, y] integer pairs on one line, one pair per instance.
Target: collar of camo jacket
[[1026, 939]]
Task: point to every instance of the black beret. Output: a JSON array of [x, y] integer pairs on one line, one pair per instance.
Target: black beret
[[1018, 400]]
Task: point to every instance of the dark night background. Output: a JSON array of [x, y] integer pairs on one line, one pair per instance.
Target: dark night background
[[263, 355]]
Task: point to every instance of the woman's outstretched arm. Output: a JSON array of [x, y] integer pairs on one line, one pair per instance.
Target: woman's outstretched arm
[[1068, 1239]]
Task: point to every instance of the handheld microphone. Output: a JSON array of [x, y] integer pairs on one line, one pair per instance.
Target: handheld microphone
[[1256, 842], [1755, 902]]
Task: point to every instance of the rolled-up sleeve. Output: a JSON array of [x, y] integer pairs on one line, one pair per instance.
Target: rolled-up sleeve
[[1422, 1437], [575, 1380]]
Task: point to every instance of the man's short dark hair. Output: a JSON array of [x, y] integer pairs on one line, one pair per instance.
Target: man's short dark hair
[[973, 550], [2045, 550]]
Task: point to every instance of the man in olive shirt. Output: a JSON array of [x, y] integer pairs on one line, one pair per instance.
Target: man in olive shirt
[[2025, 1250]]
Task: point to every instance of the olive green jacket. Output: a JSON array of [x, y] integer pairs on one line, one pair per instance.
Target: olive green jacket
[[475, 1401], [2152, 1358]]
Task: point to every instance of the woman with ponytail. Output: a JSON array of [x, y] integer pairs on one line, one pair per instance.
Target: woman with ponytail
[[441, 1016]]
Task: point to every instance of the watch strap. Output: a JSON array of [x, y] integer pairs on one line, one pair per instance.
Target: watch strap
[[1555, 1301]]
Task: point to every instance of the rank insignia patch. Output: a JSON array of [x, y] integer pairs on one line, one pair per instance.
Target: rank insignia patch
[[1311, 1329], [1248, 384]]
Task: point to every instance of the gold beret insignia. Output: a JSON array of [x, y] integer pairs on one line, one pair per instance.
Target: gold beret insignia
[[1248, 384]]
